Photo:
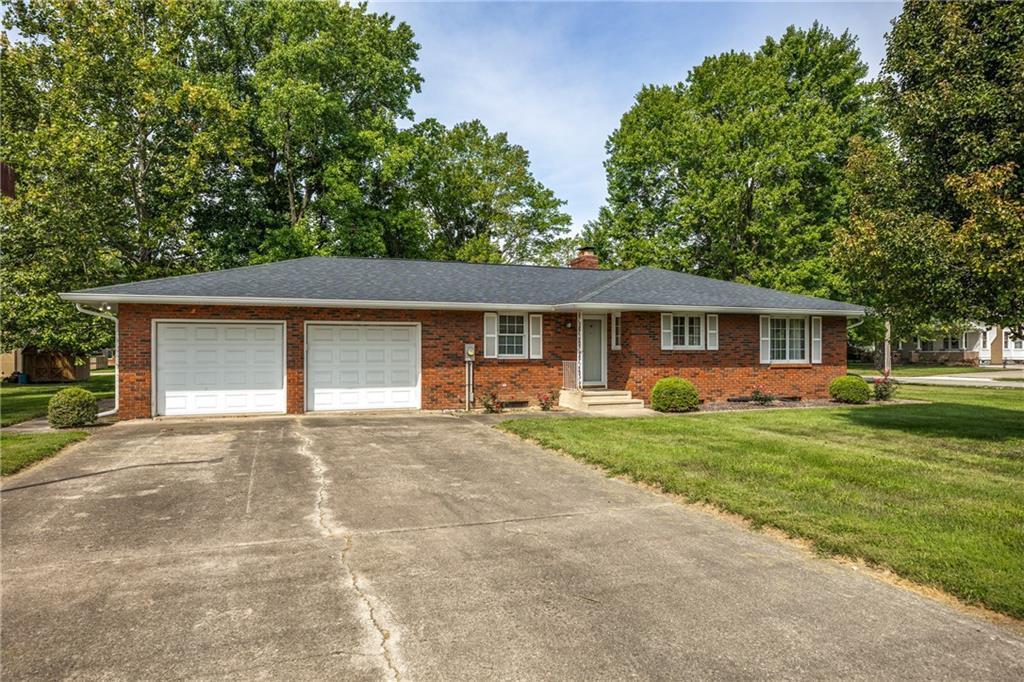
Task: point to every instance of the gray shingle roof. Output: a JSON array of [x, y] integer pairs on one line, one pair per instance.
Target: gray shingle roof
[[376, 280]]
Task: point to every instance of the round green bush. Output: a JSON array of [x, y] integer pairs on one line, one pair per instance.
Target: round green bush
[[849, 389], [674, 394], [71, 407]]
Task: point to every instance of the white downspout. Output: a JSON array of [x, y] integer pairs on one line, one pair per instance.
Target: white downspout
[[117, 352]]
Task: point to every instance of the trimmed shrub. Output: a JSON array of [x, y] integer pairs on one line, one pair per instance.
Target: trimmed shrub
[[849, 389], [71, 407], [674, 394]]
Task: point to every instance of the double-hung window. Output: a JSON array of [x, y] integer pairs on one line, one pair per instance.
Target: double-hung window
[[511, 336], [788, 339], [687, 332]]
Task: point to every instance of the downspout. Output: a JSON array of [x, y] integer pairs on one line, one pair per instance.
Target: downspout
[[117, 352]]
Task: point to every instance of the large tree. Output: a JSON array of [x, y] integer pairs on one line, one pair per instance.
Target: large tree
[[737, 172], [109, 122], [937, 234], [479, 200]]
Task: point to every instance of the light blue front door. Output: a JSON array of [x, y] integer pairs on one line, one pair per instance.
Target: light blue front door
[[593, 351]]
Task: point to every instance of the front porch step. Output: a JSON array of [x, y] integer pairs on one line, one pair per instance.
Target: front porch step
[[611, 400], [597, 400]]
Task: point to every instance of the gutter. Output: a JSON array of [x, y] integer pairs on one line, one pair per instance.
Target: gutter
[[580, 306], [117, 350]]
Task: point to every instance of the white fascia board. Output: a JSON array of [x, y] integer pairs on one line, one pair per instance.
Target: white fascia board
[[583, 307], [97, 298], [295, 302]]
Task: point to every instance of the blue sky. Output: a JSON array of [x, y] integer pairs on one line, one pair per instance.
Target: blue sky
[[558, 76]]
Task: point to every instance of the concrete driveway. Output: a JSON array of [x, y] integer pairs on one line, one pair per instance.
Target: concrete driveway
[[424, 547]]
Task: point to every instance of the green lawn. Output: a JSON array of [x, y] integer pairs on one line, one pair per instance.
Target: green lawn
[[867, 369], [20, 403], [18, 450], [934, 491]]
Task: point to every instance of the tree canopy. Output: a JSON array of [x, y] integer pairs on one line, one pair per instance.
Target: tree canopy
[[937, 234], [160, 138], [737, 172]]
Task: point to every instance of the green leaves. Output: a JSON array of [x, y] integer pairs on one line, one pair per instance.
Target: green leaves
[[159, 138], [736, 173], [937, 234]]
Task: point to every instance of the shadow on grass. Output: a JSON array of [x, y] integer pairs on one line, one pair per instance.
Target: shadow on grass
[[944, 420]]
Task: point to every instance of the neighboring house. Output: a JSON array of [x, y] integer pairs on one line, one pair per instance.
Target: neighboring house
[[980, 344], [327, 334]]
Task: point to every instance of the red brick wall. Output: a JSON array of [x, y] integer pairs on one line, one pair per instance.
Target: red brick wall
[[443, 334], [733, 370]]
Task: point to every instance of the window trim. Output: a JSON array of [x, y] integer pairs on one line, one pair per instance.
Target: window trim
[[525, 336], [686, 331], [806, 360], [616, 331]]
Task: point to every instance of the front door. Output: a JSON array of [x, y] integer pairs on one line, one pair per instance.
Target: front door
[[593, 351]]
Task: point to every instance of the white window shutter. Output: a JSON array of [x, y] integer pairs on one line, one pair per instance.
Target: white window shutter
[[766, 341], [536, 336], [490, 335], [816, 340], [712, 332], [666, 331]]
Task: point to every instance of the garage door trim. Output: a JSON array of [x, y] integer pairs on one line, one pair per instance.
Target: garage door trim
[[418, 336], [154, 389]]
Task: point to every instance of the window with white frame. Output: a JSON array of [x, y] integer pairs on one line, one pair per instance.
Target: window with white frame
[[616, 331], [687, 332], [788, 339], [511, 336]]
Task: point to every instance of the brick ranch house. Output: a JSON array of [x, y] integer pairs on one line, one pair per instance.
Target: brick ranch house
[[331, 334]]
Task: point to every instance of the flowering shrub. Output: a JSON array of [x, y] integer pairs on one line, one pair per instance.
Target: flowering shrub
[[885, 388], [547, 401], [492, 404], [761, 396]]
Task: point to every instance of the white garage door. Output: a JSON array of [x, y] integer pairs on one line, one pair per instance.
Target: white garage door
[[362, 367], [207, 368]]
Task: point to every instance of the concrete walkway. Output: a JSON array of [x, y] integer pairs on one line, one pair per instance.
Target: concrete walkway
[[424, 546]]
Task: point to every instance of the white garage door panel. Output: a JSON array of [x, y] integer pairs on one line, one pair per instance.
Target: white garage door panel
[[208, 368], [362, 367]]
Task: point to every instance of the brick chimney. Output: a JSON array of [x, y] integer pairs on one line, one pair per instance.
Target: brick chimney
[[586, 259]]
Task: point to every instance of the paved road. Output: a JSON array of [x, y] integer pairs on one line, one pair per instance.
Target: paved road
[[424, 547], [1006, 378]]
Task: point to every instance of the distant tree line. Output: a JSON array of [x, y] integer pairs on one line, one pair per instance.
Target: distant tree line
[[155, 138]]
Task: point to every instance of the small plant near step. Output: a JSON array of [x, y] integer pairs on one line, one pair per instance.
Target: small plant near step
[[885, 388], [492, 403], [547, 401], [71, 407], [761, 396], [674, 394]]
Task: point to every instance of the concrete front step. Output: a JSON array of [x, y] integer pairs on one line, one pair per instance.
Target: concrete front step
[[599, 400], [610, 400]]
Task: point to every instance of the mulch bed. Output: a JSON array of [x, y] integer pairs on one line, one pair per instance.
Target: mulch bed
[[789, 404]]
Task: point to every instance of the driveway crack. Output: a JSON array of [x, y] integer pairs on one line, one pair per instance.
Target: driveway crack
[[371, 613]]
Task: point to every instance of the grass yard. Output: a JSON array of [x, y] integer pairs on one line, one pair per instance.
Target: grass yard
[[867, 369], [18, 450], [20, 403], [934, 491]]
